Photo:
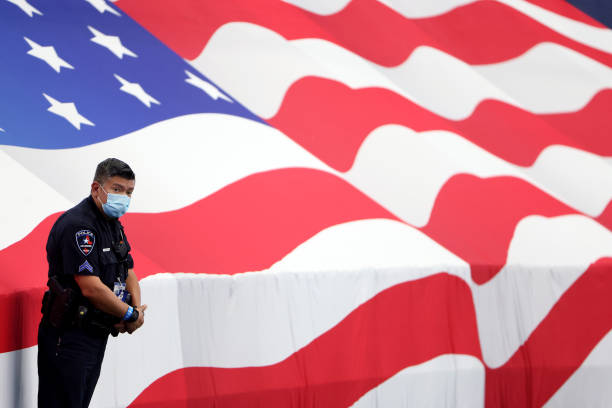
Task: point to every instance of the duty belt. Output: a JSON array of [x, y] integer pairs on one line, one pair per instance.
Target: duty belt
[[65, 308]]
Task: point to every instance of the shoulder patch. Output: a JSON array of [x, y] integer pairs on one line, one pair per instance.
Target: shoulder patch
[[85, 240], [86, 266]]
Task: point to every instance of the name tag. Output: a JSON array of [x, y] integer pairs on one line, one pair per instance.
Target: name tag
[[105, 249], [120, 291]]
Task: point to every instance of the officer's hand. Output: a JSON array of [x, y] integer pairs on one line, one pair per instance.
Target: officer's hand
[[121, 327], [133, 326]]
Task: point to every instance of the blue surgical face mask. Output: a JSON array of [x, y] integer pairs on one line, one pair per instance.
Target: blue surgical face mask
[[116, 204]]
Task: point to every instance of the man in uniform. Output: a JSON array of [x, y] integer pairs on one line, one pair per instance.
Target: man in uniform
[[93, 290]]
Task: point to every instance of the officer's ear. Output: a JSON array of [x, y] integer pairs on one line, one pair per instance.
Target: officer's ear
[[95, 187]]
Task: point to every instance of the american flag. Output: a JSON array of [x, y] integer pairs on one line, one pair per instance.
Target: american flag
[[368, 203]]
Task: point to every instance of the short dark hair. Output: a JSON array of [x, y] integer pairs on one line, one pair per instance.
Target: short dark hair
[[112, 167]]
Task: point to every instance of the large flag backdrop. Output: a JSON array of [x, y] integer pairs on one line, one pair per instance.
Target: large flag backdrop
[[339, 203]]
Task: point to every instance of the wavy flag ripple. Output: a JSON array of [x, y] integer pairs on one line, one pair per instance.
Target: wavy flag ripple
[[338, 202]]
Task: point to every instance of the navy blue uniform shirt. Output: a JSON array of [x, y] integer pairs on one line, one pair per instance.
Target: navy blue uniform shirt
[[81, 243]]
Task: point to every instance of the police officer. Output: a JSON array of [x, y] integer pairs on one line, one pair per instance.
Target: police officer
[[93, 290]]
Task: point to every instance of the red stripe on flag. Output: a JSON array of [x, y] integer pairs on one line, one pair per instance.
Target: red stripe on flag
[[345, 117], [476, 218], [250, 224], [605, 218], [479, 33]]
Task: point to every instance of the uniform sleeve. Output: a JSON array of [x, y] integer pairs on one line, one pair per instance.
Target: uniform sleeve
[[79, 251]]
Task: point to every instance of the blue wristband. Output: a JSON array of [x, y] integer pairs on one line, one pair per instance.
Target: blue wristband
[[128, 314]]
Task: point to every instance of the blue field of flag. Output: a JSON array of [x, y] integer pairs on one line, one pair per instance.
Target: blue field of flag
[[114, 77]]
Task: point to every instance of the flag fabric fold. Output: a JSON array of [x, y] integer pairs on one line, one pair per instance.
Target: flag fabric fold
[[338, 203]]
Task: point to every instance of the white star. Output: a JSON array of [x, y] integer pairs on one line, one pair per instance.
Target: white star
[[207, 87], [112, 42], [136, 90], [68, 111], [48, 55], [102, 6], [26, 7]]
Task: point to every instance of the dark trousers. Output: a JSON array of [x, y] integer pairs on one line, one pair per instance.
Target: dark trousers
[[69, 364]]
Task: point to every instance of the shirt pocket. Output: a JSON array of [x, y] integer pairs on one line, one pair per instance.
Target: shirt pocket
[[108, 257], [110, 268]]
